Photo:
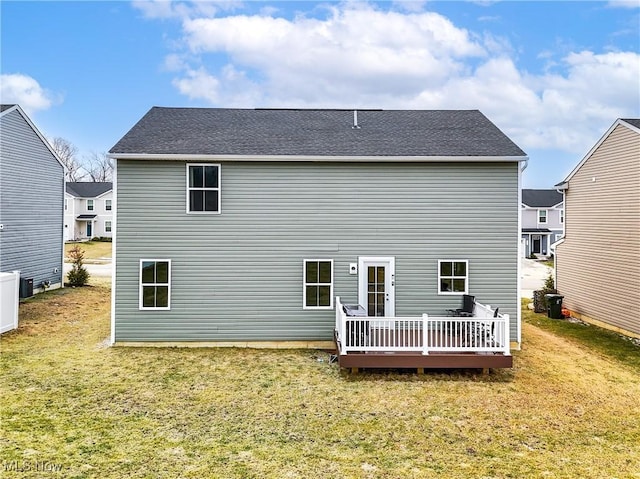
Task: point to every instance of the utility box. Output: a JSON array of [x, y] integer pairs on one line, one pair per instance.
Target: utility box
[[26, 287]]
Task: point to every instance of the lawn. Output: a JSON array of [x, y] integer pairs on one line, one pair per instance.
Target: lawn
[[92, 249], [75, 408]]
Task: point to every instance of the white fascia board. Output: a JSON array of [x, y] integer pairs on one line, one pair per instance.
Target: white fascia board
[[379, 159]]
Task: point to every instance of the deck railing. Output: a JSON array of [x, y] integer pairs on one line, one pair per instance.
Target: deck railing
[[482, 333]]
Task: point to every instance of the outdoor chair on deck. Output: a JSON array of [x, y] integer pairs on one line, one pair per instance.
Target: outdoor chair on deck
[[468, 305], [486, 333]]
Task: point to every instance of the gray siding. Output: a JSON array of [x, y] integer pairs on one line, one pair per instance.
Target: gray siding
[[237, 276], [32, 200]]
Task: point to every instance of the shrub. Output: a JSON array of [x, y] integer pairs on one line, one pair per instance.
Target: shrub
[[78, 276]]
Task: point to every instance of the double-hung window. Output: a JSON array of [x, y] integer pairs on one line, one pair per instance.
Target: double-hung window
[[542, 216], [107, 205], [318, 284], [155, 284], [453, 276], [203, 188], [561, 216], [89, 205], [107, 226]]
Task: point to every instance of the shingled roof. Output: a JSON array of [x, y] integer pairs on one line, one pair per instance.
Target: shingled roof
[[87, 189], [291, 132], [541, 198]]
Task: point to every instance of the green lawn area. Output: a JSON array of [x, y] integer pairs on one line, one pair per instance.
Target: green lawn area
[[92, 249], [70, 401]]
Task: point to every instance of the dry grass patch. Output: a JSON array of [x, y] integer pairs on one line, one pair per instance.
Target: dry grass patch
[[234, 413], [92, 249]]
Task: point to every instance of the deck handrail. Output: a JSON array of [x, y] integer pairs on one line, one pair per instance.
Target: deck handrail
[[482, 333]]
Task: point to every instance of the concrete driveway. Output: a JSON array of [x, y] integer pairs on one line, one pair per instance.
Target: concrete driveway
[[532, 276]]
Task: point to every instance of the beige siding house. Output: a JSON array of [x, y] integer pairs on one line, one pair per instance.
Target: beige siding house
[[598, 262]]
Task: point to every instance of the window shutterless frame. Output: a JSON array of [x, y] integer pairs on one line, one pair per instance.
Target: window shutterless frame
[[155, 284], [89, 205], [203, 188], [317, 284], [453, 276], [542, 216]]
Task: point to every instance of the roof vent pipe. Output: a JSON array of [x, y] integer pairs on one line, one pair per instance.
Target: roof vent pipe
[[355, 120]]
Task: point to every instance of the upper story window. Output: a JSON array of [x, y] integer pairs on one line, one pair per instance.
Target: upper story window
[[562, 216], [203, 188], [107, 205], [89, 205], [542, 216], [155, 284], [453, 276], [66, 204], [318, 284]]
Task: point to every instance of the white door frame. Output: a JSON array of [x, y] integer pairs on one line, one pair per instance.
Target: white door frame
[[389, 262]]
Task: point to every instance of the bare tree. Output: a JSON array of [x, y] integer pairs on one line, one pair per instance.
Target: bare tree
[[67, 152], [99, 166]]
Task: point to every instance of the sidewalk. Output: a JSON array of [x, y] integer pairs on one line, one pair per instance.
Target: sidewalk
[[532, 276]]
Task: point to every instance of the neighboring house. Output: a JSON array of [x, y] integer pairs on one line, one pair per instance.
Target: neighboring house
[[31, 203], [598, 261], [242, 227], [542, 220], [88, 210]]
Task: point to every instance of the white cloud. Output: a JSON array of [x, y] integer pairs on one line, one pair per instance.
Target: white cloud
[[25, 91], [163, 9], [624, 3], [359, 56]]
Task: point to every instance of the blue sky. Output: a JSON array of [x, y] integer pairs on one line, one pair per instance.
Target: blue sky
[[554, 76]]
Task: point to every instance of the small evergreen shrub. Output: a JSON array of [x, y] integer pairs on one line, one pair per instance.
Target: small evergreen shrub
[[78, 276]]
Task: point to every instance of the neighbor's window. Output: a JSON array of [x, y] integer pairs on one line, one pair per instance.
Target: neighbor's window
[[89, 205], [562, 216], [107, 226], [453, 277], [203, 188], [107, 205], [542, 216], [318, 284], [155, 283], [66, 204]]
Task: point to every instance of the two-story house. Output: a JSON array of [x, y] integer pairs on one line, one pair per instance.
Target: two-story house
[[598, 260], [31, 203], [88, 210], [542, 221], [240, 227]]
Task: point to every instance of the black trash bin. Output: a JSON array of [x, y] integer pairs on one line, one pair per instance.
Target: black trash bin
[[554, 305]]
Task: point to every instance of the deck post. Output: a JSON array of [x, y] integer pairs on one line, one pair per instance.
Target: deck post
[[425, 334], [507, 345]]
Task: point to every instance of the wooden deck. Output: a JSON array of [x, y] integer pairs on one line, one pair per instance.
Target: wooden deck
[[415, 359], [423, 342]]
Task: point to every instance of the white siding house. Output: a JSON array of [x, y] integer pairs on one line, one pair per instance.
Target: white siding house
[[88, 210]]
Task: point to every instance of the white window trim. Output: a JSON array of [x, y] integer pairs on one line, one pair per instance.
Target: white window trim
[[546, 217], [466, 278], [219, 189], [107, 226], [140, 306], [106, 202], [304, 284], [561, 213], [93, 205]]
